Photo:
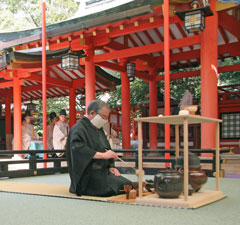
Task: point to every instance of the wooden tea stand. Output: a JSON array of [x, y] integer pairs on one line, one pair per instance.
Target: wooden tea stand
[[197, 199]]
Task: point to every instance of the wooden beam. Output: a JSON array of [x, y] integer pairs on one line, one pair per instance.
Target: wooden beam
[[113, 46], [232, 85], [119, 68], [232, 49], [146, 49], [102, 38], [195, 73], [50, 80], [79, 83], [8, 84], [230, 24]]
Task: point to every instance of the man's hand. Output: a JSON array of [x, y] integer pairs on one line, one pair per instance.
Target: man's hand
[[115, 172], [109, 154]]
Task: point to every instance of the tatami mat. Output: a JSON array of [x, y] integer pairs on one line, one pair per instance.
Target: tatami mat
[[54, 191], [29, 209]]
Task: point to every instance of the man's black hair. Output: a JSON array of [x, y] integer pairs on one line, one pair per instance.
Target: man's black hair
[[96, 106], [52, 115]]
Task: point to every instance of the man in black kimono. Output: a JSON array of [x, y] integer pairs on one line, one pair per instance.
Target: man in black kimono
[[90, 160]]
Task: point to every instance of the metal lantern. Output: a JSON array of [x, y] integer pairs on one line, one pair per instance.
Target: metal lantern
[[70, 61], [178, 81], [31, 106], [131, 67], [194, 19]]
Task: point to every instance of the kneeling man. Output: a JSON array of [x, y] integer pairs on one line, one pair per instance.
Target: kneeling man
[[90, 160]]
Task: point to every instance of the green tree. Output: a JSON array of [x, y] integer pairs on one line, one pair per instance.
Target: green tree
[[138, 93], [26, 14], [230, 78]]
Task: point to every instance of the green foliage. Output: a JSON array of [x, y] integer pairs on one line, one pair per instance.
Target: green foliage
[[53, 105], [27, 14], [230, 78], [193, 84], [138, 93]]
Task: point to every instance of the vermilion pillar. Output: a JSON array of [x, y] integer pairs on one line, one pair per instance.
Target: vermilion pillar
[[133, 126], [44, 81], [126, 108], [153, 106], [167, 74], [8, 121], [8, 115], [90, 77], [72, 103], [17, 114], [209, 91]]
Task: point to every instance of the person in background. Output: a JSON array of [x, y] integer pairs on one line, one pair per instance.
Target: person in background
[[28, 133], [60, 132], [50, 127], [112, 136], [89, 155]]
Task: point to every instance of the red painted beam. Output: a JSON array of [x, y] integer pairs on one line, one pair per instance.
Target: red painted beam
[[231, 68], [230, 24], [195, 73], [113, 45], [79, 83], [111, 66], [228, 86], [119, 68], [223, 33], [8, 84], [230, 93], [232, 48], [102, 37], [50, 80], [146, 49], [36, 87]]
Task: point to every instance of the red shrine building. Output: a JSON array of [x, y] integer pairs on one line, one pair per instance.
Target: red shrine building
[[155, 37]]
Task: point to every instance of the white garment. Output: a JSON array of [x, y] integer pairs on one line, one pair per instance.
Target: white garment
[[50, 128], [112, 136], [28, 134], [60, 133]]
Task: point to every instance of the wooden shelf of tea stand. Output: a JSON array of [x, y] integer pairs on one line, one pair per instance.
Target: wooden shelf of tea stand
[[197, 200], [185, 201]]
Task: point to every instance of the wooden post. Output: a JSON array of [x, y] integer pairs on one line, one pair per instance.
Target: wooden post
[[72, 103], [126, 109], [209, 79], [8, 115], [177, 143], [17, 113], [217, 158], [90, 77], [185, 133], [153, 106], [140, 159], [44, 81], [167, 76], [8, 121]]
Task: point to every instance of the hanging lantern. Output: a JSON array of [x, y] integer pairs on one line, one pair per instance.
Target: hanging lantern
[[131, 71], [31, 106], [194, 19], [70, 61], [178, 81]]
